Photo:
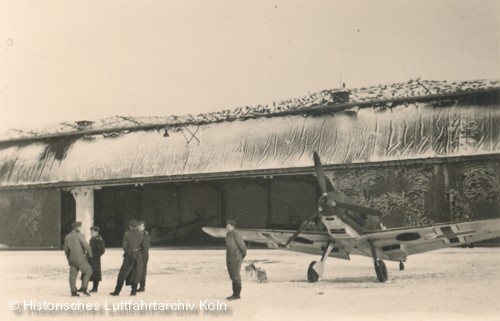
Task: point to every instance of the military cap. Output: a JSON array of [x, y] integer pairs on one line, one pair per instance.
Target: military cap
[[231, 222], [133, 223], [95, 228], [76, 224]]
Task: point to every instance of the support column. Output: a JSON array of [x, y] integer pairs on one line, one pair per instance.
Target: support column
[[84, 198]]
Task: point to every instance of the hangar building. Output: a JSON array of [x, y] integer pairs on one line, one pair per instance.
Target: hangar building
[[420, 152]]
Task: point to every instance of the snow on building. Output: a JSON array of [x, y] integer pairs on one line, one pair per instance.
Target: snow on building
[[420, 152]]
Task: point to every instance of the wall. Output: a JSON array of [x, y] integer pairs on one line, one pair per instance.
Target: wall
[[421, 194], [30, 218]]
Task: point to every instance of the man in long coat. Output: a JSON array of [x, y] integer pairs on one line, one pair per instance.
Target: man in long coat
[[132, 266], [98, 248], [236, 251], [145, 255], [77, 249]]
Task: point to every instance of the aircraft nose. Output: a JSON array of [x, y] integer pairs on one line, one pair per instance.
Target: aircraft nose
[[327, 205], [321, 202], [324, 203]]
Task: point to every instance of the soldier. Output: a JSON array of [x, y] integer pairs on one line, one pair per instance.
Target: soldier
[[145, 255], [98, 248], [236, 251], [77, 250], [132, 266]]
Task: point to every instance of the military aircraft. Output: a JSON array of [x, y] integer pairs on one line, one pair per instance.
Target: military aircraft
[[164, 236], [358, 230]]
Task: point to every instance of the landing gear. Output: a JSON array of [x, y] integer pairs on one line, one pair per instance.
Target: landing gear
[[316, 269], [401, 266], [381, 271], [380, 268], [312, 276]]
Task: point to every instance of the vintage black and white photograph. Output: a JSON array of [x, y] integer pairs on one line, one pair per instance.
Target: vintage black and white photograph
[[250, 160]]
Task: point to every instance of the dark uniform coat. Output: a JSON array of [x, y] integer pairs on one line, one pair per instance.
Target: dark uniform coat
[[133, 265], [98, 248], [145, 252], [236, 251]]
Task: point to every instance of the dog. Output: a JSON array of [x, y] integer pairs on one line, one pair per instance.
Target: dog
[[250, 269], [262, 275]]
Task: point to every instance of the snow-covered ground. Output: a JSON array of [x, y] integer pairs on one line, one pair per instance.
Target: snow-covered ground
[[450, 284]]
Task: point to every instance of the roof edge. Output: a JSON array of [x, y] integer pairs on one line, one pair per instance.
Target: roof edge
[[214, 176], [308, 110]]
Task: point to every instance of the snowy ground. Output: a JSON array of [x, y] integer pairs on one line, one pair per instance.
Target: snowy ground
[[451, 284]]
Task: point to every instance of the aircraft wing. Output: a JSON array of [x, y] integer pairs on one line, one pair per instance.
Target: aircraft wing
[[392, 244], [306, 242], [396, 244], [272, 237]]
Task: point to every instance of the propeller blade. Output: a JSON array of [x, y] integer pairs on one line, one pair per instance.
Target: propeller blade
[[332, 183], [320, 175], [199, 215], [358, 209], [301, 228]]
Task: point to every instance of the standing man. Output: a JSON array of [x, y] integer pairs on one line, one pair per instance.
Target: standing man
[[145, 254], [236, 251], [132, 266], [77, 250], [98, 248]]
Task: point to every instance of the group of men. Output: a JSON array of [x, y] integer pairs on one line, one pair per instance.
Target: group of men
[[136, 242], [86, 258]]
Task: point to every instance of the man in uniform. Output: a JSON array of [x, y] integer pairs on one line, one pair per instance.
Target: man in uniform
[[132, 266], [236, 251], [77, 250], [145, 254], [98, 247]]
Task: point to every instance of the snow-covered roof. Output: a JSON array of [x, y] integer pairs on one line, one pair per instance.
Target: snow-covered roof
[[407, 90], [254, 147]]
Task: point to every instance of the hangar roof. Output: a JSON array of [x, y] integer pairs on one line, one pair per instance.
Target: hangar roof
[[381, 131], [413, 90]]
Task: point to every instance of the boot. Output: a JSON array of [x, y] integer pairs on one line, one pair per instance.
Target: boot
[[118, 288], [79, 290], [237, 291], [134, 289], [142, 286], [74, 293], [84, 291], [235, 294], [94, 287], [231, 296]]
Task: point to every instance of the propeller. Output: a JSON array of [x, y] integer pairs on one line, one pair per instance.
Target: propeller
[[339, 203], [302, 227], [358, 208], [319, 173], [332, 198]]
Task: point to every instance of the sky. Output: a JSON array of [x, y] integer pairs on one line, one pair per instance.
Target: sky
[[70, 60]]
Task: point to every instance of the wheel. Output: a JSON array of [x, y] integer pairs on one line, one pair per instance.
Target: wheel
[[381, 271], [312, 276], [401, 266]]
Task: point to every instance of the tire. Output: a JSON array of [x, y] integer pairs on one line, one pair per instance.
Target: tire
[[381, 271], [312, 276]]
